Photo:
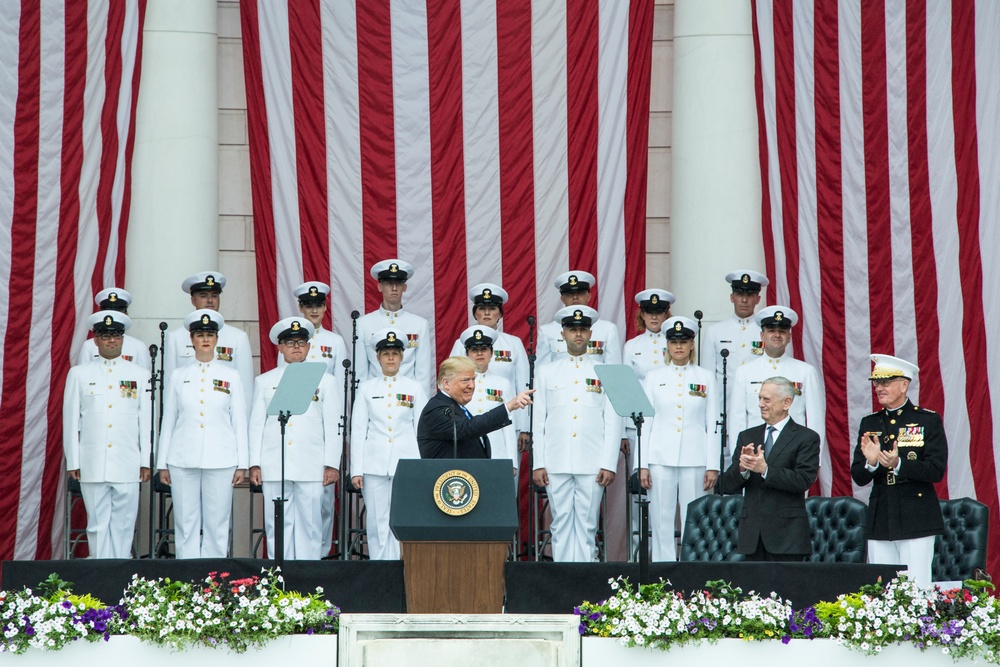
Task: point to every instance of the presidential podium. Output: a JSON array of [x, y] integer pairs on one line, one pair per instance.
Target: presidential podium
[[454, 519]]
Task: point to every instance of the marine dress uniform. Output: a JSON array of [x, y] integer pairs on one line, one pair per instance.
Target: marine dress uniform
[[680, 442], [311, 445], [418, 361], [233, 348], [491, 390], [383, 431], [133, 349], [577, 434], [203, 442], [106, 425], [903, 513], [605, 342]]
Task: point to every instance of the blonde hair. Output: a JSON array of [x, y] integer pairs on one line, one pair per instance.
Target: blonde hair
[[452, 366]]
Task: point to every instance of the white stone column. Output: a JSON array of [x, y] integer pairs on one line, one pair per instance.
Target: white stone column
[[174, 229], [715, 184]]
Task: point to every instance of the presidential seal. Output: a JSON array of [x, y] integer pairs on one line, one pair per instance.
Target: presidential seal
[[456, 492]]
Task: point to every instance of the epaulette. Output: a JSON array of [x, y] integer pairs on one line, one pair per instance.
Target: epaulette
[[917, 408]]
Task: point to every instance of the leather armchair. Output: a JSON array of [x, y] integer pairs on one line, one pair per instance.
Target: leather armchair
[[962, 547], [837, 526], [710, 529]]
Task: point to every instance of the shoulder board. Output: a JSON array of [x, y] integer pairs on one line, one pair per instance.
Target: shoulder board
[[872, 414], [926, 411]]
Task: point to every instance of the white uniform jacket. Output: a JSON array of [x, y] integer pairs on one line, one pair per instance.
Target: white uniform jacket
[[740, 336], [418, 358], [133, 350], [384, 424], [682, 431], [106, 421], [204, 418], [576, 430], [329, 348], [646, 352], [312, 441], [605, 344], [808, 406], [492, 390], [510, 361], [233, 349]]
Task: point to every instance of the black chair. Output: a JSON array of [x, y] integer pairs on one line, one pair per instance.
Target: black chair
[[711, 529], [961, 550], [837, 526]]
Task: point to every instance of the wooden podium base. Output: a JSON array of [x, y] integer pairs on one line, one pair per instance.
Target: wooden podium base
[[454, 577]]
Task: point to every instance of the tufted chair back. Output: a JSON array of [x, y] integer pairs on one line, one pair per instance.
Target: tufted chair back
[[710, 530], [962, 547], [837, 526]]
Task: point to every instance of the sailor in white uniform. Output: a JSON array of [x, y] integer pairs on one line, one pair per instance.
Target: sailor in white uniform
[[577, 438], [203, 442], [233, 347], [418, 362], [312, 447], [492, 389], [605, 343], [106, 426], [383, 431], [133, 349]]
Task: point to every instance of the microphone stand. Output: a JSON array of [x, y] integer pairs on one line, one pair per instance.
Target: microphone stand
[[723, 424], [532, 504], [279, 503], [152, 443], [698, 315], [638, 420], [345, 468], [353, 369], [163, 366], [159, 488]]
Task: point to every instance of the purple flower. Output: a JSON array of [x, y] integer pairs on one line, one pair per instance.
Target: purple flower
[[785, 639]]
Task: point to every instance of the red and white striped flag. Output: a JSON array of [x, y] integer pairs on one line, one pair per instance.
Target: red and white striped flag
[[480, 141], [69, 72], [880, 156]]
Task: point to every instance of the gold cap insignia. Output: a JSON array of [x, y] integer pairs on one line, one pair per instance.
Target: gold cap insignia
[[205, 319], [487, 294], [113, 297], [210, 280], [745, 278], [313, 291], [678, 326], [295, 325], [391, 337], [572, 280], [479, 335], [654, 299], [108, 321], [578, 315], [778, 316], [393, 268]]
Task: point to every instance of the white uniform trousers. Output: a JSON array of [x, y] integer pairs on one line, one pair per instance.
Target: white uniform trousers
[[326, 511], [377, 492], [575, 503], [203, 507], [669, 484], [303, 522], [111, 512], [916, 554]]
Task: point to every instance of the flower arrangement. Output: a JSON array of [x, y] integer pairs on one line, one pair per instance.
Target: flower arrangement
[[217, 611], [962, 622]]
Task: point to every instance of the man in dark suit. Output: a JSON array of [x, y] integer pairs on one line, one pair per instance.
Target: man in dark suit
[[774, 464], [445, 423], [902, 452]]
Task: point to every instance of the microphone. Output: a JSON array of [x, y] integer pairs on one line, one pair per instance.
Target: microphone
[[163, 326], [355, 314], [698, 314], [346, 363], [531, 320], [153, 350], [724, 352]]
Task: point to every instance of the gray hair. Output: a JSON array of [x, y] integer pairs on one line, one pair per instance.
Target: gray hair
[[785, 387], [452, 366]]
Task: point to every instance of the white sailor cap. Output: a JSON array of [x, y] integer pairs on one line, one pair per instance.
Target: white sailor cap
[[655, 300], [388, 338], [747, 281], [887, 366], [679, 328], [478, 336], [392, 269], [575, 281], [206, 281], [312, 292], [204, 319], [291, 327], [109, 321], [488, 294], [782, 317], [576, 316], [113, 298]]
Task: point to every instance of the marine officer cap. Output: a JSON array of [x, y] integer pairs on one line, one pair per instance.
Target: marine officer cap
[[206, 281], [887, 366], [782, 317], [392, 269], [312, 293], [113, 298], [204, 319], [576, 316], [488, 294], [679, 328], [291, 327], [388, 339], [109, 321], [575, 281], [746, 281], [655, 300], [478, 336]]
